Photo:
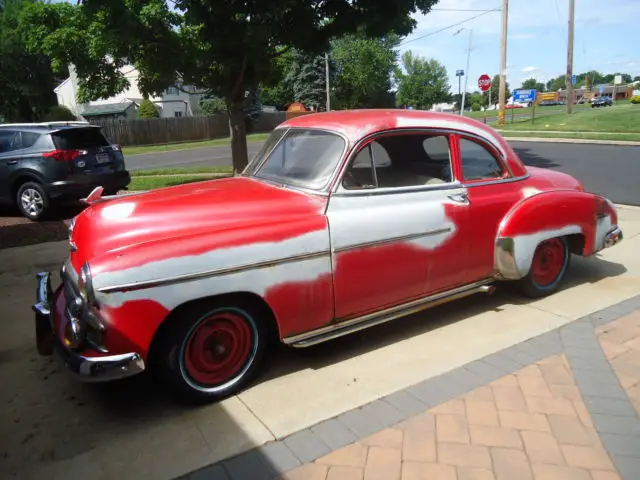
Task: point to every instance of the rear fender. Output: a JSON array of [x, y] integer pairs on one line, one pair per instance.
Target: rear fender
[[547, 215]]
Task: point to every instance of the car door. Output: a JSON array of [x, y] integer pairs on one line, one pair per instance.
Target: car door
[[9, 160], [492, 191], [390, 218]]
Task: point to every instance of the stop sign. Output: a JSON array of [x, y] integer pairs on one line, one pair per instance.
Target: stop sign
[[484, 82]]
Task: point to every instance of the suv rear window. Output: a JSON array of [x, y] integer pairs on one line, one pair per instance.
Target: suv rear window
[[79, 138]]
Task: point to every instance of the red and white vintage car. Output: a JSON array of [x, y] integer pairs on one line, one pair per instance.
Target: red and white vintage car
[[342, 221]]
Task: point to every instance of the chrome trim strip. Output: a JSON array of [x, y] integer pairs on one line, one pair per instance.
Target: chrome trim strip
[[43, 294], [397, 190], [345, 327], [410, 236], [497, 181], [210, 273]]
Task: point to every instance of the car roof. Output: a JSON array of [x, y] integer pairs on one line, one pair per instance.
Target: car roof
[[46, 127], [358, 124]]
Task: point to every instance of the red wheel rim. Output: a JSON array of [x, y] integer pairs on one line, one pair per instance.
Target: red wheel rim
[[548, 262], [218, 348]]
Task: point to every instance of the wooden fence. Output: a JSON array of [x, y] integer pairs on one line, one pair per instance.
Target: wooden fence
[[179, 129]]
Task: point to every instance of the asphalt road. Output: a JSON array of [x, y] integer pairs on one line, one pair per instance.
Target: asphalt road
[[610, 170]]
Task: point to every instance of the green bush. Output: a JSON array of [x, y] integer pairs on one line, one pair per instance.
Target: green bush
[[59, 113], [148, 109], [475, 107], [635, 99]]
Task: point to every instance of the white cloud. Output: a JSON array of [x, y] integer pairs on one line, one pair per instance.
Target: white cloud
[[529, 69]]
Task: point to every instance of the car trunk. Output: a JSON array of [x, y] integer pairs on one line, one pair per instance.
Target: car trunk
[[88, 151]]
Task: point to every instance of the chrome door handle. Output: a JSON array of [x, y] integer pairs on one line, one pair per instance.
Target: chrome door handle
[[459, 197], [12, 162]]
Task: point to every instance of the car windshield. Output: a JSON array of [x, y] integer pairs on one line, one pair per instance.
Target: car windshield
[[299, 157]]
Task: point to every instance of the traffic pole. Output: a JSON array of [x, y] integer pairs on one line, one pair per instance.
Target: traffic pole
[[503, 62]]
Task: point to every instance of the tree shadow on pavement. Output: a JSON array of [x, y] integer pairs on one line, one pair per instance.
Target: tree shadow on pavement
[[534, 160], [18, 231]]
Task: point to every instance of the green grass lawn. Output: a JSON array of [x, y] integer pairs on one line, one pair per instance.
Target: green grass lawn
[[540, 111], [631, 137], [255, 137], [150, 183], [623, 118], [181, 171]]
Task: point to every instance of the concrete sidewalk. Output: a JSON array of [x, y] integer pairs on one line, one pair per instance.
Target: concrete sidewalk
[[563, 405]]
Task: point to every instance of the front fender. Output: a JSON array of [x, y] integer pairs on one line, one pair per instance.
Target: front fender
[[547, 215]]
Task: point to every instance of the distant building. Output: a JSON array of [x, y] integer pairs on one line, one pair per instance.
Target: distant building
[[622, 92], [173, 102]]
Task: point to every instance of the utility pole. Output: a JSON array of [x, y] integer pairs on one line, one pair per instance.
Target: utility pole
[[466, 77], [569, 76], [503, 62], [326, 72]]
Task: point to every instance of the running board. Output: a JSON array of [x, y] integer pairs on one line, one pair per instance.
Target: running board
[[346, 327]]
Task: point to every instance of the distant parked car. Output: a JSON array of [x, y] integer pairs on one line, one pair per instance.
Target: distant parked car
[[602, 102], [513, 105], [44, 163]]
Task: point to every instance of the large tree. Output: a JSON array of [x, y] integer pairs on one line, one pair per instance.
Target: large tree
[[494, 91], [26, 79], [365, 67], [532, 83], [223, 48], [421, 82]]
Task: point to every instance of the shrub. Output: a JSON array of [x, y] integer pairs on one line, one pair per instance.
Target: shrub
[[147, 109], [635, 99], [475, 107], [59, 113]]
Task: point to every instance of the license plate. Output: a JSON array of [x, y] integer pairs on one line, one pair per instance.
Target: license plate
[[102, 158]]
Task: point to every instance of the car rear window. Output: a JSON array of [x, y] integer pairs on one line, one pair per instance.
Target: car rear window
[[79, 138]]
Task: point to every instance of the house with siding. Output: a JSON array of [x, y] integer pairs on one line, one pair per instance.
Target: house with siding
[[173, 102]]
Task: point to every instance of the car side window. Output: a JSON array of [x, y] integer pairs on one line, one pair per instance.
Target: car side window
[[29, 139], [9, 141], [478, 163], [404, 160]]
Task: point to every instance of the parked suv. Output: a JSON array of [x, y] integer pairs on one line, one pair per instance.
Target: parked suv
[[44, 163]]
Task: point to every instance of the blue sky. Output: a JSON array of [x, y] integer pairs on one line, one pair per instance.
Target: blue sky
[[605, 38]]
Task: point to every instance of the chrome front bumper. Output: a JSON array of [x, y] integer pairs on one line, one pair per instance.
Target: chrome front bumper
[[613, 237], [88, 369]]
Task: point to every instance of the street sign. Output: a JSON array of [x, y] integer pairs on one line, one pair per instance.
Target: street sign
[[574, 79], [524, 95], [459, 73], [484, 82], [617, 80]]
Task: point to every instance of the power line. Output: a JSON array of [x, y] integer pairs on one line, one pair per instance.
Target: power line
[[462, 10], [450, 26]]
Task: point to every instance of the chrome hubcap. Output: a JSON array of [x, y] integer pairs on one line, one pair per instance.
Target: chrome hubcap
[[32, 202]]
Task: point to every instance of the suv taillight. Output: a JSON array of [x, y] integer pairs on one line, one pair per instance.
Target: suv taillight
[[60, 155]]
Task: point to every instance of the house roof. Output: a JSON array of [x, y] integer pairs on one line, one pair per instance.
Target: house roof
[[106, 109], [61, 84]]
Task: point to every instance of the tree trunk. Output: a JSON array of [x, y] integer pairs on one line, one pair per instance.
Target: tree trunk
[[238, 133]]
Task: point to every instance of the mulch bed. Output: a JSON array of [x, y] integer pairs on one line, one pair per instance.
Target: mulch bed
[[17, 231]]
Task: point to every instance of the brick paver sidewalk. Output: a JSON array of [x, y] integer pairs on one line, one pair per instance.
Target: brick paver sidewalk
[[562, 406]]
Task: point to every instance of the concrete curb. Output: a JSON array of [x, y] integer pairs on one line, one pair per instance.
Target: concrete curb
[[571, 140], [577, 340]]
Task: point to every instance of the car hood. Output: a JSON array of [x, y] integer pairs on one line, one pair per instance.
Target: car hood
[[188, 210]]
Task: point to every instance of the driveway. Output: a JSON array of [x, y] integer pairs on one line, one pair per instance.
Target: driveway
[[53, 427]]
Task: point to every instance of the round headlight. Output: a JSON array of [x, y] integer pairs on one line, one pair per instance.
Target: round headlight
[[85, 285]]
